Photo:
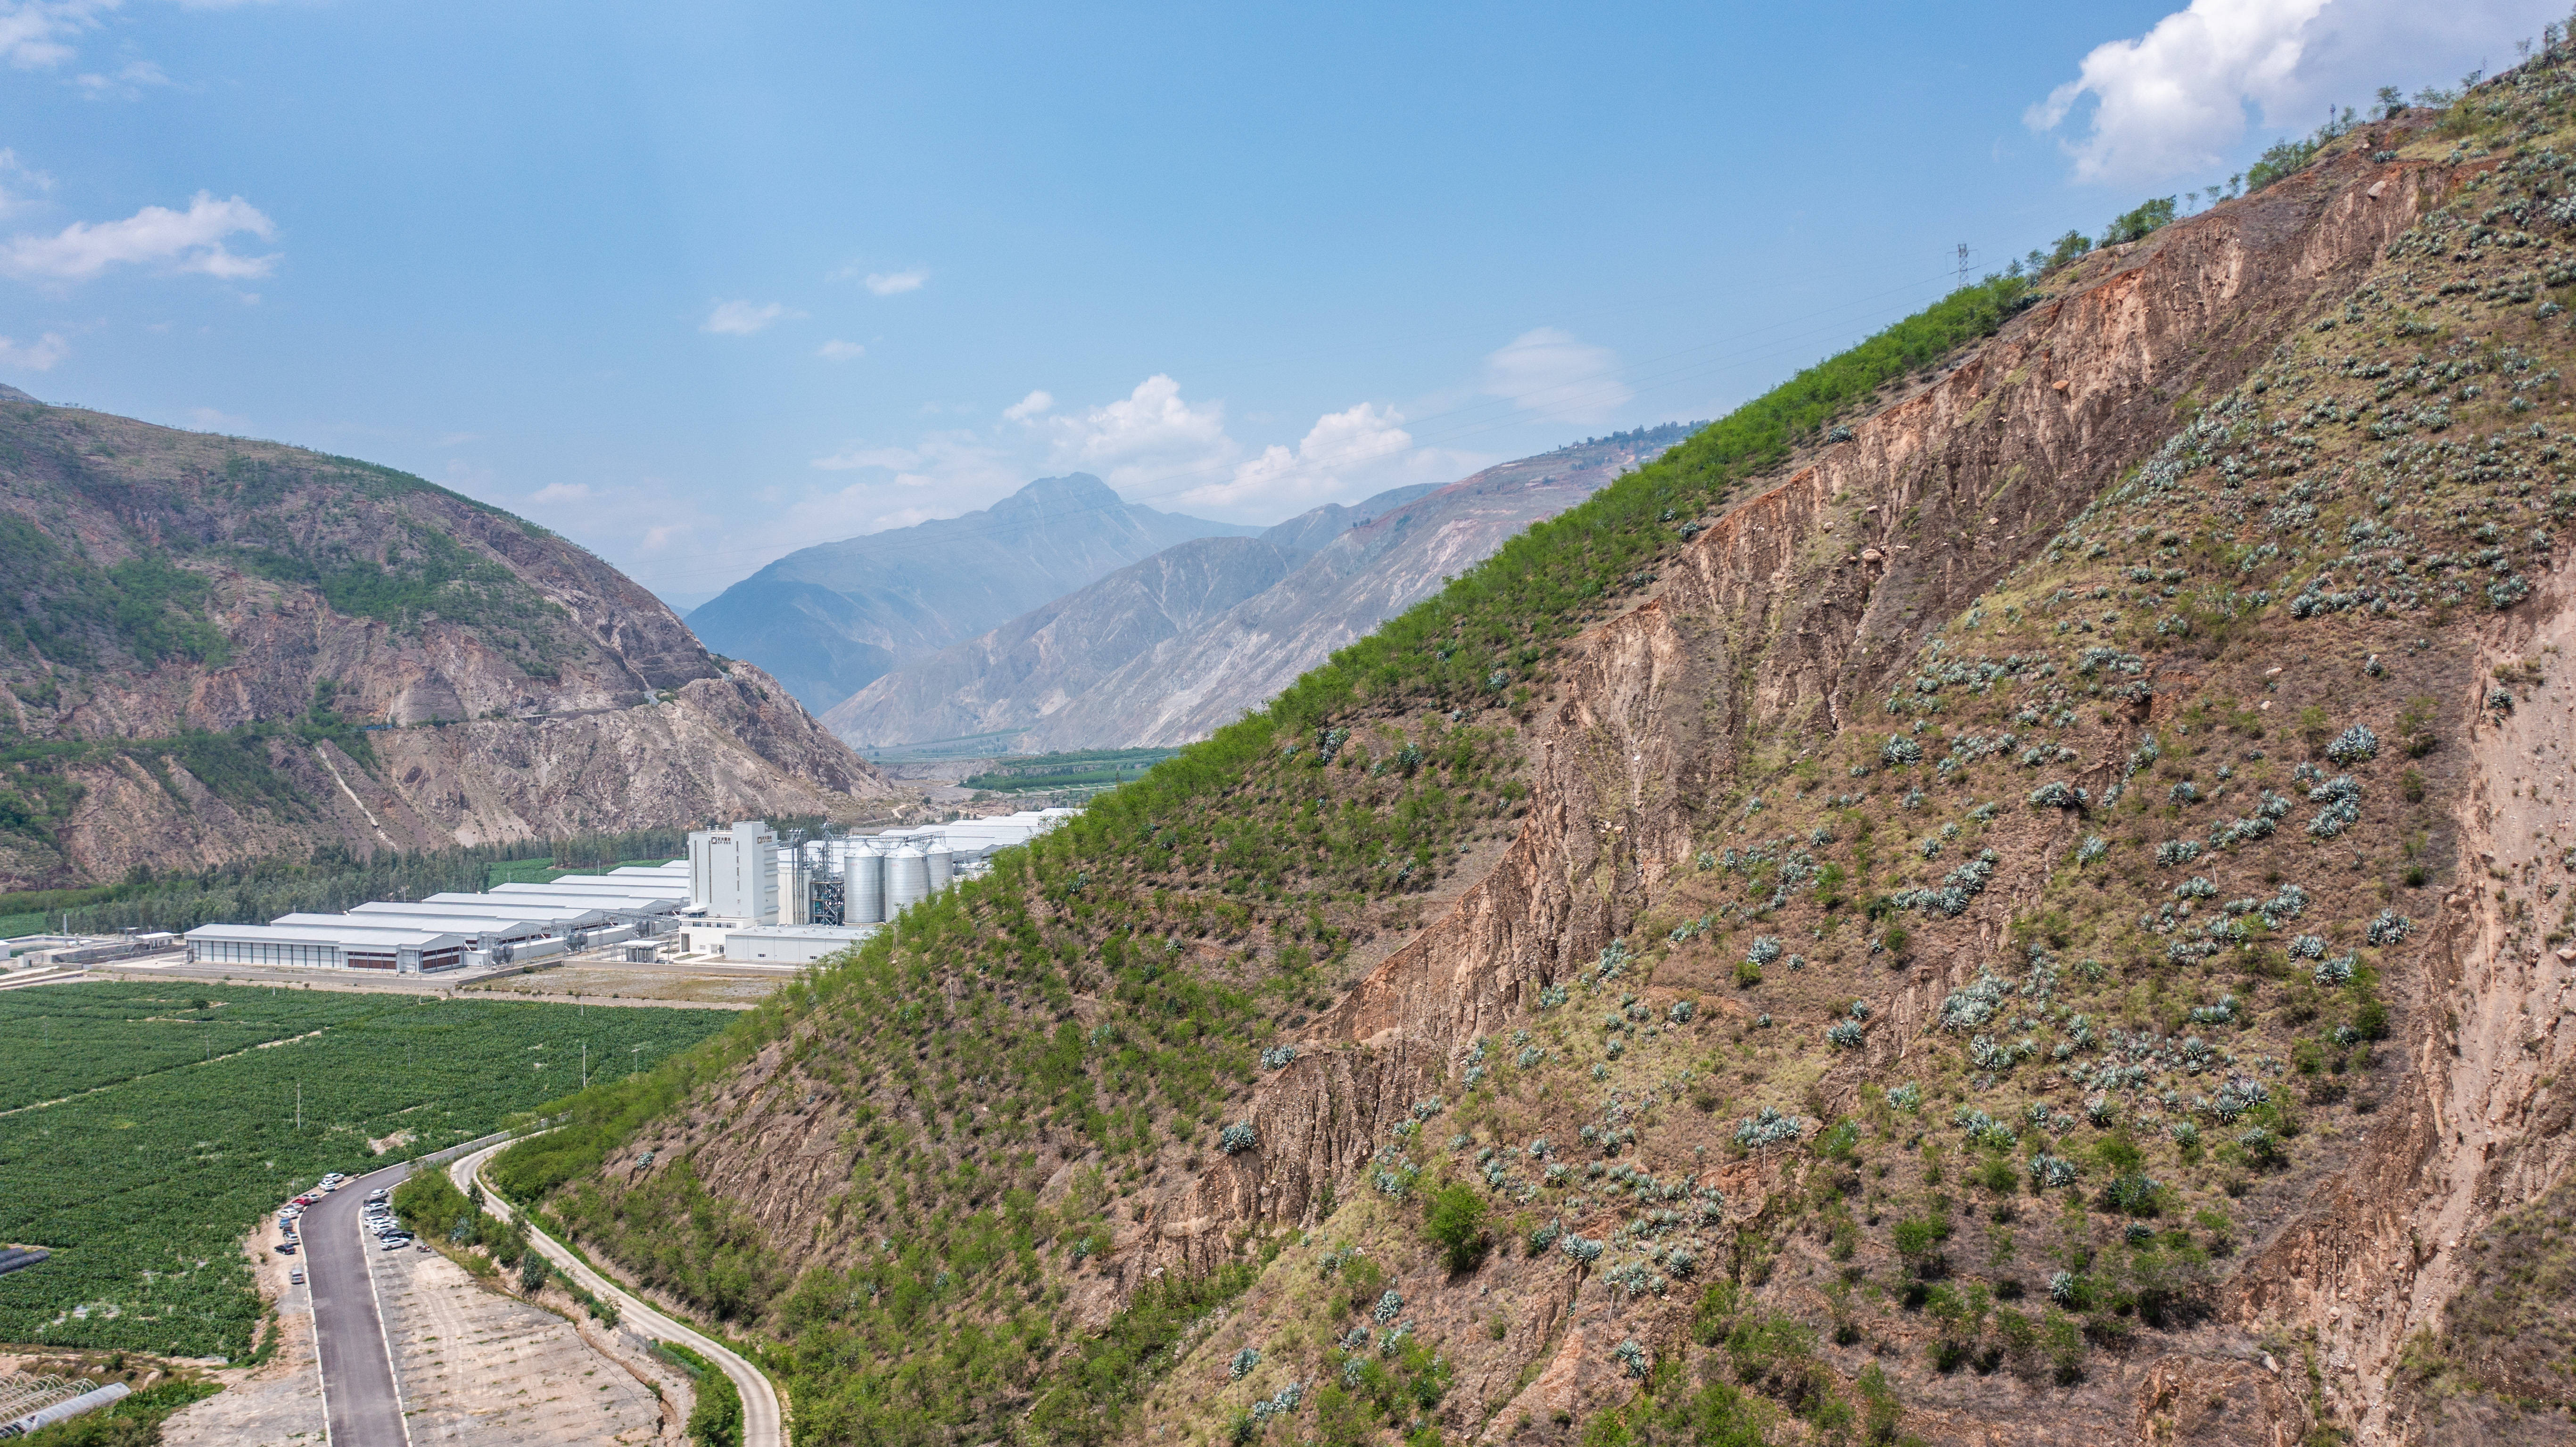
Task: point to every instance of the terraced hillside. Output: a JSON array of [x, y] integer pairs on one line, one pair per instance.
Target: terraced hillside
[[2009, 890]]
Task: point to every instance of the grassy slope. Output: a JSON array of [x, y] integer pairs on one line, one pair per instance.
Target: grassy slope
[[1940, 1231]]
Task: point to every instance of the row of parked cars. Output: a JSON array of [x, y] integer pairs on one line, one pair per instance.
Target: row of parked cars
[[380, 1222], [378, 1216], [293, 1211]]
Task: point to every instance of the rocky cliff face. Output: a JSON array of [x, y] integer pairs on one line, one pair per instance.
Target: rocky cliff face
[[2048, 917], [218, 650]]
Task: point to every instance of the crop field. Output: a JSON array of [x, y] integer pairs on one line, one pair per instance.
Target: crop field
[[137, 1149], [543, 871]]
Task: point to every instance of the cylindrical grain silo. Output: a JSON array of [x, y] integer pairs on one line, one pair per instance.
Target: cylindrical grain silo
[[863, 884], [941, 863], [907, 878]]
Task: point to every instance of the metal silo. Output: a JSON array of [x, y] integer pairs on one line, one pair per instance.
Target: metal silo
[[907, 878], [942, 863], [863, 885]]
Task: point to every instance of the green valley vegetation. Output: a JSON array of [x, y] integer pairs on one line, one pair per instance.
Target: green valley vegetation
[[144, 1128], [1099, 768]]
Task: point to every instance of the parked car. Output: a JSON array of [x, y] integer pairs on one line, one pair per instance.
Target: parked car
[[295, 1278], [286, 1248]]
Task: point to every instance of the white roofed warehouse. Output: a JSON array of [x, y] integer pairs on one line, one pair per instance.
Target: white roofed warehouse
[[329, 947]]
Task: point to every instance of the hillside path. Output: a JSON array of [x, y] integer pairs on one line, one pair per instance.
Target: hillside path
[[760, 1410]]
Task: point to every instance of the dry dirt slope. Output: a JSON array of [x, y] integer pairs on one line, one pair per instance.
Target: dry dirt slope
[[195, 628], [2043, 922]]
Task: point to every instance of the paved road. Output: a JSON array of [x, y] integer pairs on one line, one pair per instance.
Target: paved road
[[760, 1411], [361, 1399], [362, 1402]]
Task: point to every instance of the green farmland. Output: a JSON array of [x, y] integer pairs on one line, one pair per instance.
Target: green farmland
[[141, 1135]]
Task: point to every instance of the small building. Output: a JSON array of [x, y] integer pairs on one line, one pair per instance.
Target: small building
[[790, 944]]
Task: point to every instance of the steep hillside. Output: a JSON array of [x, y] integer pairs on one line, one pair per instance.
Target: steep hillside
[[2012, 889], [217, 650], [828, 619], [1139, 675]]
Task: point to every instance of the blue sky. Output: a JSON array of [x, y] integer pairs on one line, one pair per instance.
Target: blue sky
[[695, 285]]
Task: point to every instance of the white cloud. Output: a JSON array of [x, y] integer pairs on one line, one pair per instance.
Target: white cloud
[[1547, 371], [742, 318], [894, 283], [16, 179], [1355, 442], [36, 356], [1029, 406], [2175, 98], [209, 419], [1144, 438], [564, 492], [187, 241], [2177, 101], [126, 84], [34, 34], [953, 461], [837, 350]]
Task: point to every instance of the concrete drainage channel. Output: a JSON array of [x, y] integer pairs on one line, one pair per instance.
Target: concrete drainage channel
[[761, 1418]]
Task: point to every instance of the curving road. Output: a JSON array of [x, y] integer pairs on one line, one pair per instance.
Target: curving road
[[362, 1402], [760, 1411]]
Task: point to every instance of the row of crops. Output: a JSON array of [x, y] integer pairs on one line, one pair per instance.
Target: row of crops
[[152, 1159]]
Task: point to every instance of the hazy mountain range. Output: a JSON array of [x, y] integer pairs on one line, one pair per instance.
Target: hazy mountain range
[[827, 620], [1168, 648]]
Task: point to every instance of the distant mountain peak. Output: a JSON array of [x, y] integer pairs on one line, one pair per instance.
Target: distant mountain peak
[[827, 619]]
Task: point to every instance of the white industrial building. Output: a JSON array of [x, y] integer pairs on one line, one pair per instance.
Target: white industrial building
[[330, 947], [511, 923], [739, 896], [731, 875]]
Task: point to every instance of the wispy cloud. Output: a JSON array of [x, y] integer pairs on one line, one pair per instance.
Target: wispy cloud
[[209, 419], [895, 283], [1547, 371], [36, 34], [39, 355], [837, 350], [18, 179], [1029, 406], [564, 492], [742, 318], [186, 241], [126, 83]]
